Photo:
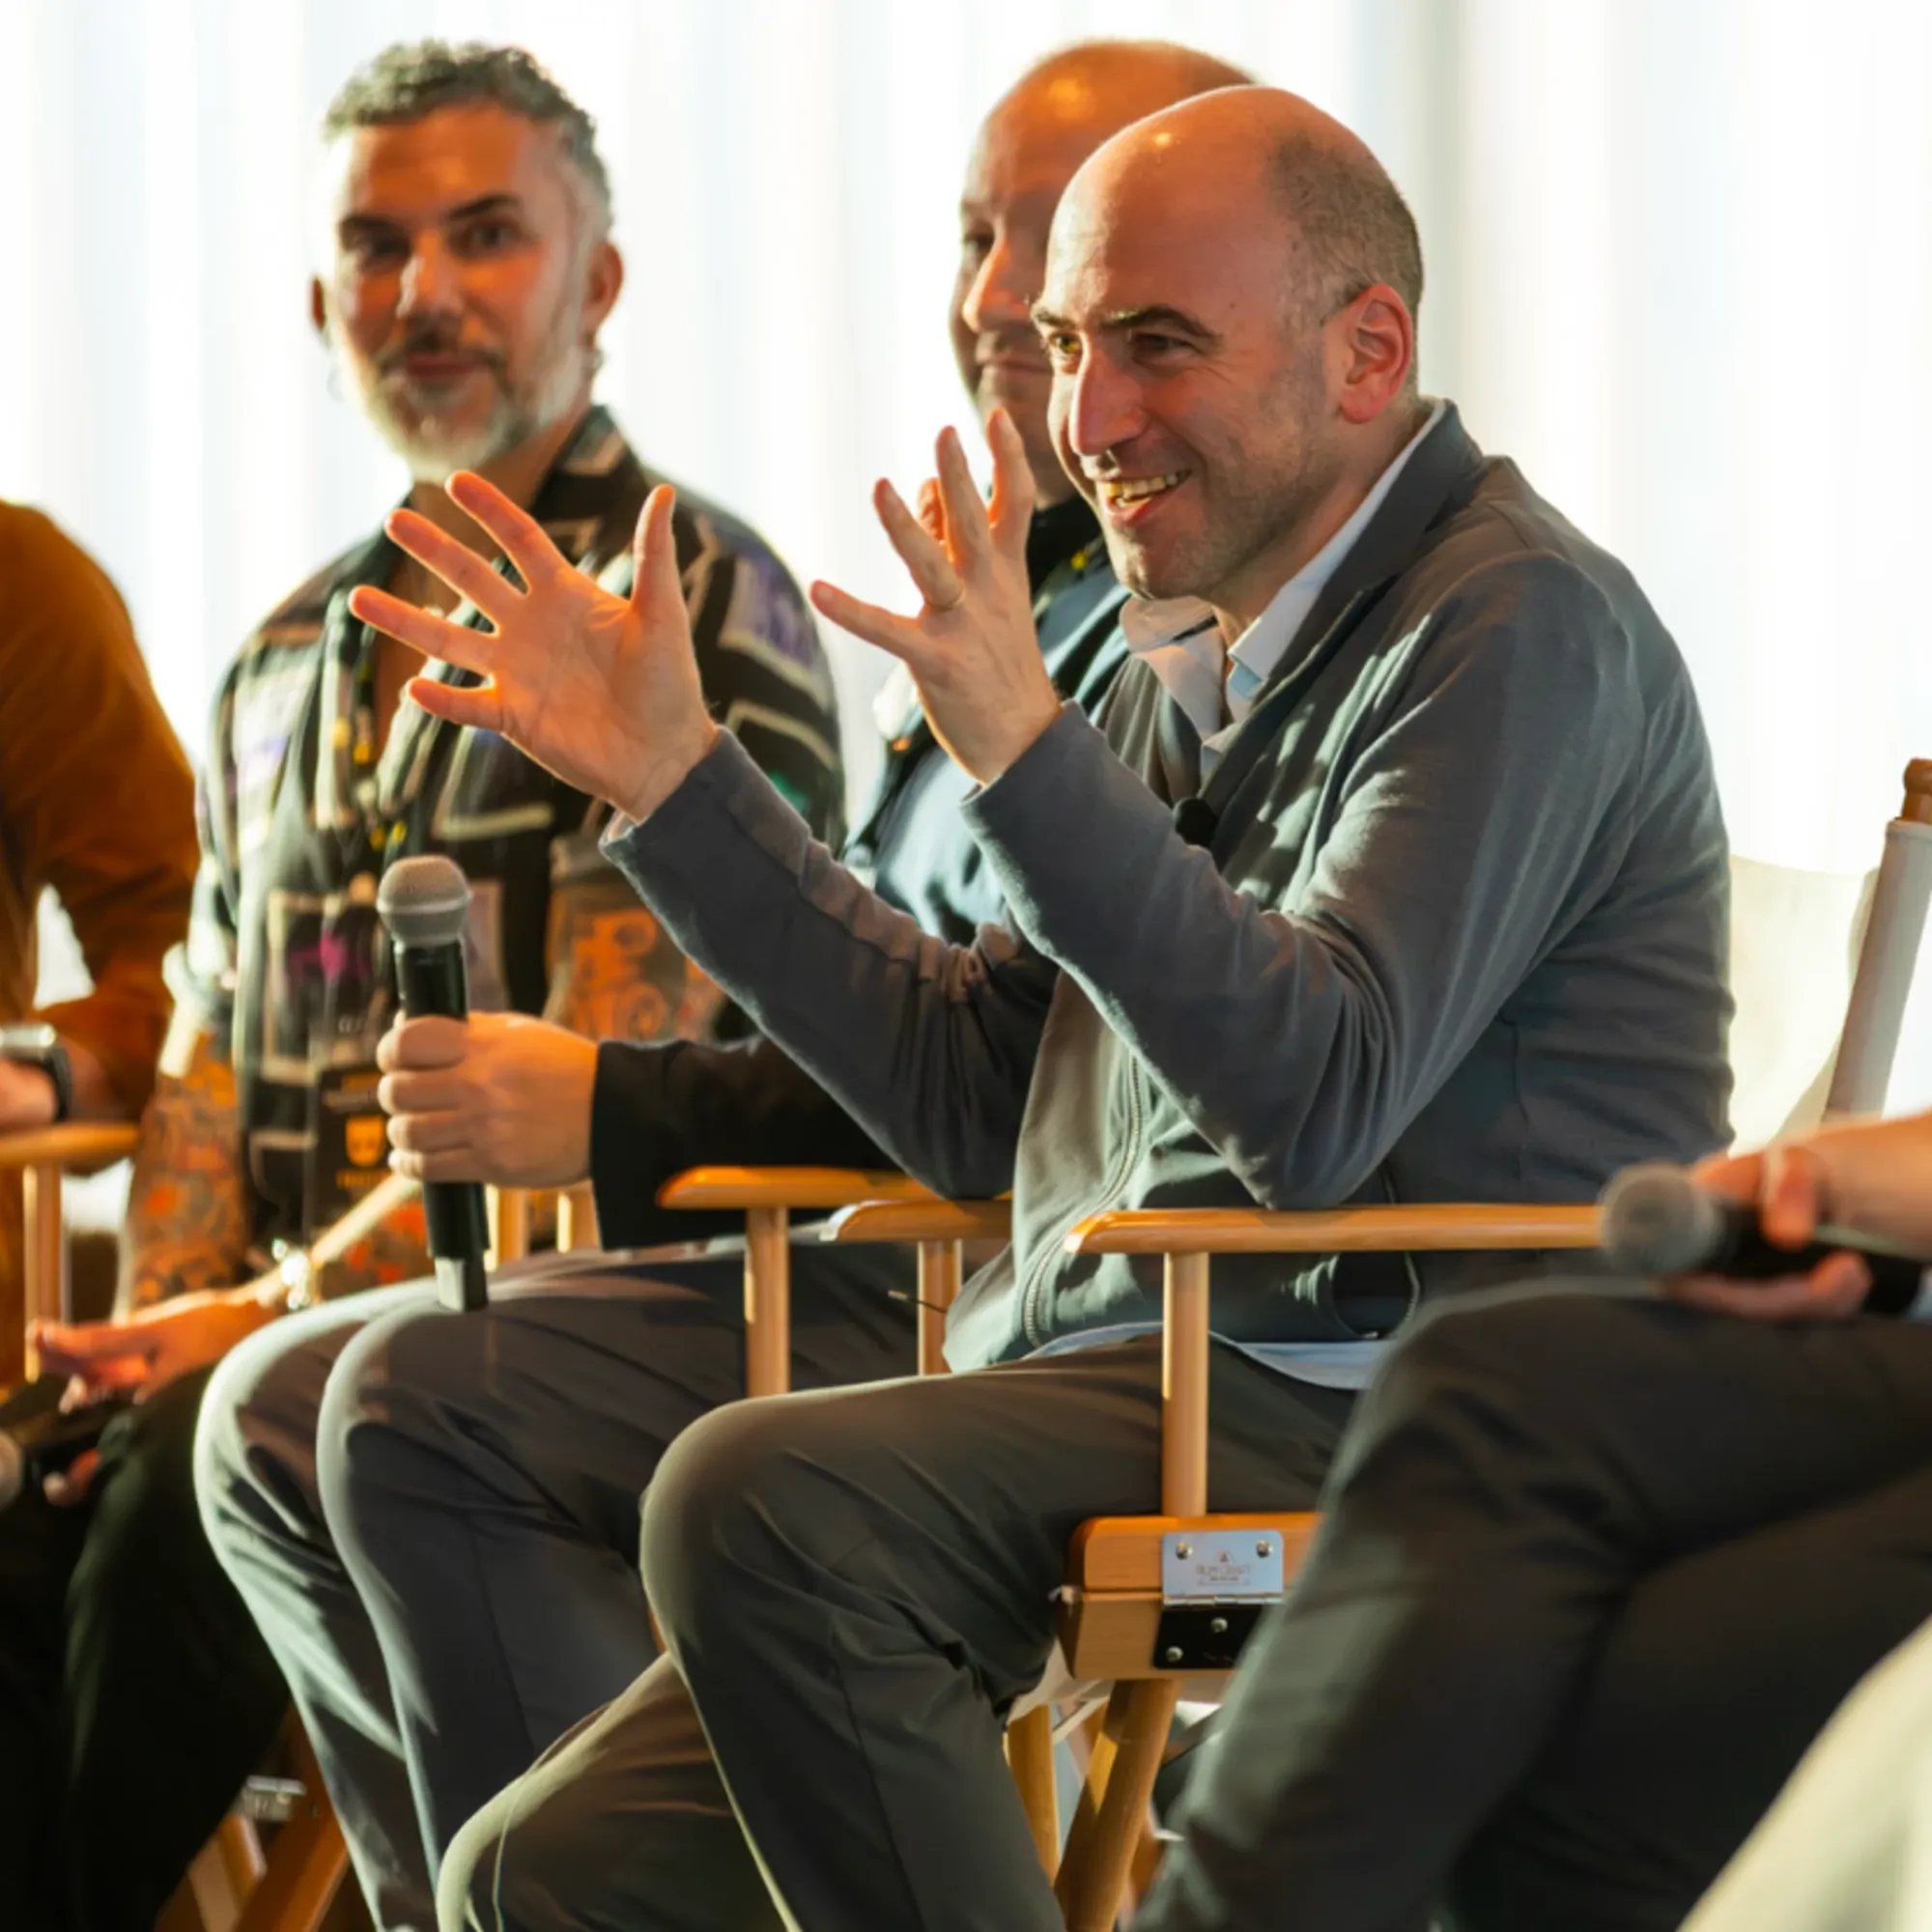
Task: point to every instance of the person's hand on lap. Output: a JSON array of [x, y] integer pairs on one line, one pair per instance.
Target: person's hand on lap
[[142, 1352]]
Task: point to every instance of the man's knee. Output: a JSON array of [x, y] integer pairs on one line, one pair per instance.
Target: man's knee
[[748, 1490], [395, 1398], [255, 1439], [608, 1829], [507, 1870]]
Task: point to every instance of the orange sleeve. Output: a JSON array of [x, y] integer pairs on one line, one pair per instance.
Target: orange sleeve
[[95, 797]]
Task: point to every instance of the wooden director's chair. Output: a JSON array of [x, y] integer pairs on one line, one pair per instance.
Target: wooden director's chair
[[44, 1158], [1154, 1604], [233, 1886]]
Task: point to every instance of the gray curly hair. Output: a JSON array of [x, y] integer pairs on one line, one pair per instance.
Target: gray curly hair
[[415, 79]]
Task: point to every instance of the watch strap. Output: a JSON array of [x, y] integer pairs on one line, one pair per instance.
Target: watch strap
[[52, 1061], [60, 1070]]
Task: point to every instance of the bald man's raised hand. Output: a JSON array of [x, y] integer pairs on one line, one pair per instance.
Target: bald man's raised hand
[[972, 648], [601, 689]]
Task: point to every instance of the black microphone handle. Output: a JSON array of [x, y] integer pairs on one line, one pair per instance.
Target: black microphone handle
[[1743, 1253], [1195, 821], [431, 980]]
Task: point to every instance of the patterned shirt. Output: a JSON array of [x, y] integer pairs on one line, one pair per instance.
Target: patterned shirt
[[299, 817]]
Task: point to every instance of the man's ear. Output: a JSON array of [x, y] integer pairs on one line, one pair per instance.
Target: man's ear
[[317, 307], [1375, 348], [603, 284]]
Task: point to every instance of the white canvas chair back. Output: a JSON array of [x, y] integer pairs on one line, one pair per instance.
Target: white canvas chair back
[[1795, 939], [1889, 957], [1821, 967]]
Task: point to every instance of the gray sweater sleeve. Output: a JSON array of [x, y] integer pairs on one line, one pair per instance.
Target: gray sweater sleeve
[[928, 1047], [1300, 1039]]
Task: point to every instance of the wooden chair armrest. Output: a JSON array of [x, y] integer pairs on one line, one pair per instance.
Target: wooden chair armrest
[[1258, 1231], [929, 1220], [74, 1146], [792, 1187], [767, 1197]]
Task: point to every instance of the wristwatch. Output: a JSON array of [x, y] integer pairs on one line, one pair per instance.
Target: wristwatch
[[35, 1043]]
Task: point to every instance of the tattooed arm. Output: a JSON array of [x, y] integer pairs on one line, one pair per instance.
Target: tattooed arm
[[184, 1296], [189, 1211]]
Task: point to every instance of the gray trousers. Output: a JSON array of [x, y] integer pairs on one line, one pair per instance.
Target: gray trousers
[[434, 1517], [854, 1588]]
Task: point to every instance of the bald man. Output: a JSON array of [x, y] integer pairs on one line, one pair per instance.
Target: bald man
[[436, 1528], [1397, 872], [911, 843]]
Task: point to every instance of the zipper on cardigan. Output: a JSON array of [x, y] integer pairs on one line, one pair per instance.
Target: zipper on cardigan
[[1034, 1294]]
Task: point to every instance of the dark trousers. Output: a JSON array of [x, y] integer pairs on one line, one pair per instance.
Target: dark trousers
[[1594, 1570], [855, 1586], [134, 1692]]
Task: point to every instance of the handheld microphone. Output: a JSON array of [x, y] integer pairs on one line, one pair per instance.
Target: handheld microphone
[[38, 1437], [424, 904], [1196, 820], [1656, 1220]]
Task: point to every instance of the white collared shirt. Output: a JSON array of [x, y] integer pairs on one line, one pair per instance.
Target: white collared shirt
[[1181, 640]]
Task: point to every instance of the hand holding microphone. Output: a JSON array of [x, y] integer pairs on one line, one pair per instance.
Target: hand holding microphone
[[1810, 1229], [424, 902]]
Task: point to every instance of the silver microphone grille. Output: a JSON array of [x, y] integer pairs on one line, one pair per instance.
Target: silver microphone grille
[[1656, 1220], [424, 901]]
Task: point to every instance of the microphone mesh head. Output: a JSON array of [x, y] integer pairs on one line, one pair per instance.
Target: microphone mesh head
[[1656, 1220], [424, 901]]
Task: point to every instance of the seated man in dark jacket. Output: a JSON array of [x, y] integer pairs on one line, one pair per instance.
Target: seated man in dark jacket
[[548, 1412], [1451, 925], [1598, 1564]]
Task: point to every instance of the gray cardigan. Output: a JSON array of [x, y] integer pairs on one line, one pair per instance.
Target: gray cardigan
[[1460, 933]]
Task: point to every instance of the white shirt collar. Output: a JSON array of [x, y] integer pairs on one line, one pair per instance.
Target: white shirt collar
[[1179, 640]]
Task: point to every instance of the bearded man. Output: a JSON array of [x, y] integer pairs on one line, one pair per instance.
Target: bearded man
[[470, 271]]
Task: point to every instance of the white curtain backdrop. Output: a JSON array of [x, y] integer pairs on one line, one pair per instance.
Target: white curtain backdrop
[[1680, 267]]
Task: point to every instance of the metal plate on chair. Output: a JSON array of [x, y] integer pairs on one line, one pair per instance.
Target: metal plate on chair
[[1204, 1636], [1225, 1566], [272, 1801]]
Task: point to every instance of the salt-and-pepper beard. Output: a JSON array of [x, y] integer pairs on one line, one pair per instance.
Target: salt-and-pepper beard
[[561, 368]]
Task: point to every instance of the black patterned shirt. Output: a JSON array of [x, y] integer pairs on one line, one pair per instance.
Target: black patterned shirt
[[285, 956]]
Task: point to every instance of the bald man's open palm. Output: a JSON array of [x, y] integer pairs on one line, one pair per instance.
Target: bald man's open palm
[[599, 689], [604, 690], [972, 649]]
